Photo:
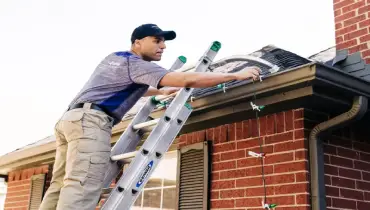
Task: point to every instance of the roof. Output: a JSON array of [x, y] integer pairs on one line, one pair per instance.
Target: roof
[[265, 58]]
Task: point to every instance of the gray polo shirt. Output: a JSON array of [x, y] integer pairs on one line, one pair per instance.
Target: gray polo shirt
[[119, 81]]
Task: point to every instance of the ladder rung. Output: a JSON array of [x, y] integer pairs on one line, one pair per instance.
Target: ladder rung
[[124, 156], [146, 124], [163, 97]]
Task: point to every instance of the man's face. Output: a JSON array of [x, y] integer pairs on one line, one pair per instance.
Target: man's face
[[151, 48]]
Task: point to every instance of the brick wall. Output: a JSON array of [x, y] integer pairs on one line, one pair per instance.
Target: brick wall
[[19, 186], [347, 168], [352, 26], [236, 176]]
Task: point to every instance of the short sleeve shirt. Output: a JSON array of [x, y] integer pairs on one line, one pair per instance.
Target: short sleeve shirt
[[119, 81]]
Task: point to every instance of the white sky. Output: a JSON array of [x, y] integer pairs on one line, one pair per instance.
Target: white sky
[[48, 48]]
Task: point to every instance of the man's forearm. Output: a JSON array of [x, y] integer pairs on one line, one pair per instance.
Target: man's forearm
[[201, 80]]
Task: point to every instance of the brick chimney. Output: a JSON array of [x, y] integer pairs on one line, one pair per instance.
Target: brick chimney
[[352, 26]]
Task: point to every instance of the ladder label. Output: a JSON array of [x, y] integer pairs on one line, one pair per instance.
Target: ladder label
[[145, 174]]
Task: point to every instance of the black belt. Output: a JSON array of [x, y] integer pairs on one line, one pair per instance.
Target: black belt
[[93, 106]]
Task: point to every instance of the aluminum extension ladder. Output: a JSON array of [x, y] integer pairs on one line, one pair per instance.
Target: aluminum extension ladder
[[166, 128]]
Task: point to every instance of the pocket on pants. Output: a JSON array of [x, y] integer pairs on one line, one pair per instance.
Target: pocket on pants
[[98, 166]]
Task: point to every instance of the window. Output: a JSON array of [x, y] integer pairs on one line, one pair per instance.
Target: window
[[160, 191]]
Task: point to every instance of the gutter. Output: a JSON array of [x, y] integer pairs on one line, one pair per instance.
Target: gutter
[[316, 153]]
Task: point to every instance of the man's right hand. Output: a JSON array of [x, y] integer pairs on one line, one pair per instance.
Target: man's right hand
[[248, 72]]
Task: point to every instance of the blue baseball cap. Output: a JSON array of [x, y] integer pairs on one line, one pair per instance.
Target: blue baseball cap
[[151, 30]]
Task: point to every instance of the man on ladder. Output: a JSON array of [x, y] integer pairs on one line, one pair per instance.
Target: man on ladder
[[83, 133]]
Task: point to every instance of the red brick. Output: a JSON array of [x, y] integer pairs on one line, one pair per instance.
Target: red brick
[[355, 34], [237, 193], [366, 53], [270, 125], [279, 138], [365, 38], [280, 179], [201, 135], [224, 147], [231, 132], [280, 122], [363, 205], [343, 4], [363, 185], [301, 155], [222, 204], [233, 155], [347, 153], [332, 170], [249, 182], [357, 48], [216, 158], [257, 171], [265, 149], [253, 128], [354, 20], [189, 139], [290, 167], [337, 12], [263, 125], [365, 176], [279, 158], [338, 26], [354, 6], [230, 174], [298, 124], [291, 188], [338, 161], [215, 194], [289, 146], [362, 165], [367, 196], [216, 185], [248, 202], [239, 131], [348, 173], [246, 129], [217, 135], [347, 44], [289, 120], [345, 30], [302, 199], [248, 162], [345, 16], [367, 60], [343, 182], [344, 203], [332, 191], [339, 39], [259, 191], [301, 177], [224, 165], [215, 175], [282, 200], [351, 194], [248, 143], [299, 134], [209, 133], [364, 23]]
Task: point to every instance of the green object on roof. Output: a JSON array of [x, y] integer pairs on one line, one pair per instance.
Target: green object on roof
[[221, 85], [216, 46], [154, 101], [188, 106], [182, 59], [261, 107]]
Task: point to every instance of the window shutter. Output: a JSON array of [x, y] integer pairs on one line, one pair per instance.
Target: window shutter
[[193, 177], [37, 191]]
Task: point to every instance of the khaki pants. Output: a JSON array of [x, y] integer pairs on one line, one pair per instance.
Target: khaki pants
[[82, 156]]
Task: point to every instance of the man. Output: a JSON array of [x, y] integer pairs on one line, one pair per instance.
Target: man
[[83, 133]]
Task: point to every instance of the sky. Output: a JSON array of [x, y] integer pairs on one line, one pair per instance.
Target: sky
[[48, 49]]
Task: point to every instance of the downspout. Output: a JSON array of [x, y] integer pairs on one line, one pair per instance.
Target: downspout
[[316, 153]]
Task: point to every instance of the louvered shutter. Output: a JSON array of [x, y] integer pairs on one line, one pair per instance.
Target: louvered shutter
[[193, 177], [37, 191]]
